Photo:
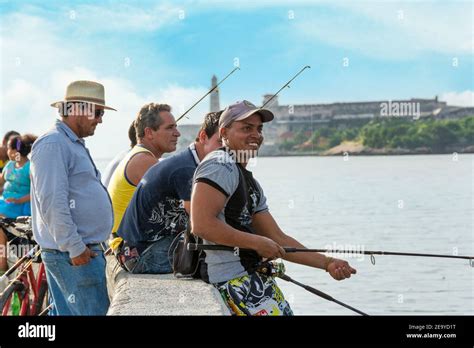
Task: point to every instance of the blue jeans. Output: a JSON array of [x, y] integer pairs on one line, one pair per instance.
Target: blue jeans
[[155, 258], [76, 290]]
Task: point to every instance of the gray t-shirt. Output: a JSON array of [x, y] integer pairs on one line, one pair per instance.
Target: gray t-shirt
[[244, 198]]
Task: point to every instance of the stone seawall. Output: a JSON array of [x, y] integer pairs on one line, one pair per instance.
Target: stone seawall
[[147, 294]]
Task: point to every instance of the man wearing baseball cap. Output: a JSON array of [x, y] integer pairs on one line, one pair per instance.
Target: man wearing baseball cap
[[71, 209], [228, 207]]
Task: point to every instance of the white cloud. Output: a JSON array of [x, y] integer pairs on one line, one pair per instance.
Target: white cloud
[[251, 5], [182, 99], [111, 137], [24, 108], [386, 29], [30, 44], [465, 98], [36, 68], [392, 30], [124, 17]]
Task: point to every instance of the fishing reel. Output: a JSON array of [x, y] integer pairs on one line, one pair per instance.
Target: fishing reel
[[272, 268]]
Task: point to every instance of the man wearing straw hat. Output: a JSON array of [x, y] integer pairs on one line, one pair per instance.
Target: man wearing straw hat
[[71, 209]]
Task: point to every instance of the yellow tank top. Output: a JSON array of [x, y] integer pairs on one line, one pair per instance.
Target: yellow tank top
[[120, 188]]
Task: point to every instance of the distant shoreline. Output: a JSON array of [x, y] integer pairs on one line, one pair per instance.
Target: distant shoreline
[[357, 149], [365, 154]]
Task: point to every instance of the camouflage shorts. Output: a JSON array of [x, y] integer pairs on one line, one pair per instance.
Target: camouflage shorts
[[254, 294]]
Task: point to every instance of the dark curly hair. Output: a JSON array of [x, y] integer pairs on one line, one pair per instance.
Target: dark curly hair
[[22, 143], [132, 134], [210, 124], [8, 135]]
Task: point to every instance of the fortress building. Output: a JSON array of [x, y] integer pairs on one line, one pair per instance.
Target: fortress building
[[309, 117]]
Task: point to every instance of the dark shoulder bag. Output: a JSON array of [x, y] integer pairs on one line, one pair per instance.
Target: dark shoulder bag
[[186, 264]]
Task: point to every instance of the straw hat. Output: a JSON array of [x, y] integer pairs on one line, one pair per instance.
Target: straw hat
[[84, 91]]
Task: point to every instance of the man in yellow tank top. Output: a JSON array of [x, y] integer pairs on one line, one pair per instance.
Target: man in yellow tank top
[[157, 134]]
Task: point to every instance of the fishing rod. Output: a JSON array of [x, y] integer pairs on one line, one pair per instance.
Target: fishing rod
[[285, 85], [277, 269], [30, 256], [192, 246], [320, 293], [205, 95]]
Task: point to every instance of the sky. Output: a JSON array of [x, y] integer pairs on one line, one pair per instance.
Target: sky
[[167, 52]]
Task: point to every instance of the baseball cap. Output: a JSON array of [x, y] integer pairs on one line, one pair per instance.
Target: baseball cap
[[241, 110]]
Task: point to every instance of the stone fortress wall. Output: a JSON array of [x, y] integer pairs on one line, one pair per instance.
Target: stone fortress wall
[[292, 118]]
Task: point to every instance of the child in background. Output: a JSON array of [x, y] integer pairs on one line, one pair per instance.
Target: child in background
[[15, 200], [3, 151], [3, 148]]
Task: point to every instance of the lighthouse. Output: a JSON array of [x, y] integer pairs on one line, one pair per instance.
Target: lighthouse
[[214, 95]]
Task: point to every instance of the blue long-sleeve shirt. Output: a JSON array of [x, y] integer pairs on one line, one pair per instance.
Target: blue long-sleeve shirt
[[70, 207]]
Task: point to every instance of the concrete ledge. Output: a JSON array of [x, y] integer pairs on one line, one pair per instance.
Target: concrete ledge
[[148, 294]]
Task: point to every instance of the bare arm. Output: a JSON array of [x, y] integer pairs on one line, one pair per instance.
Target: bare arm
[[187, 207], [265, 225], [206, 204], [138, 165], [4, 157], [21, 200]]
